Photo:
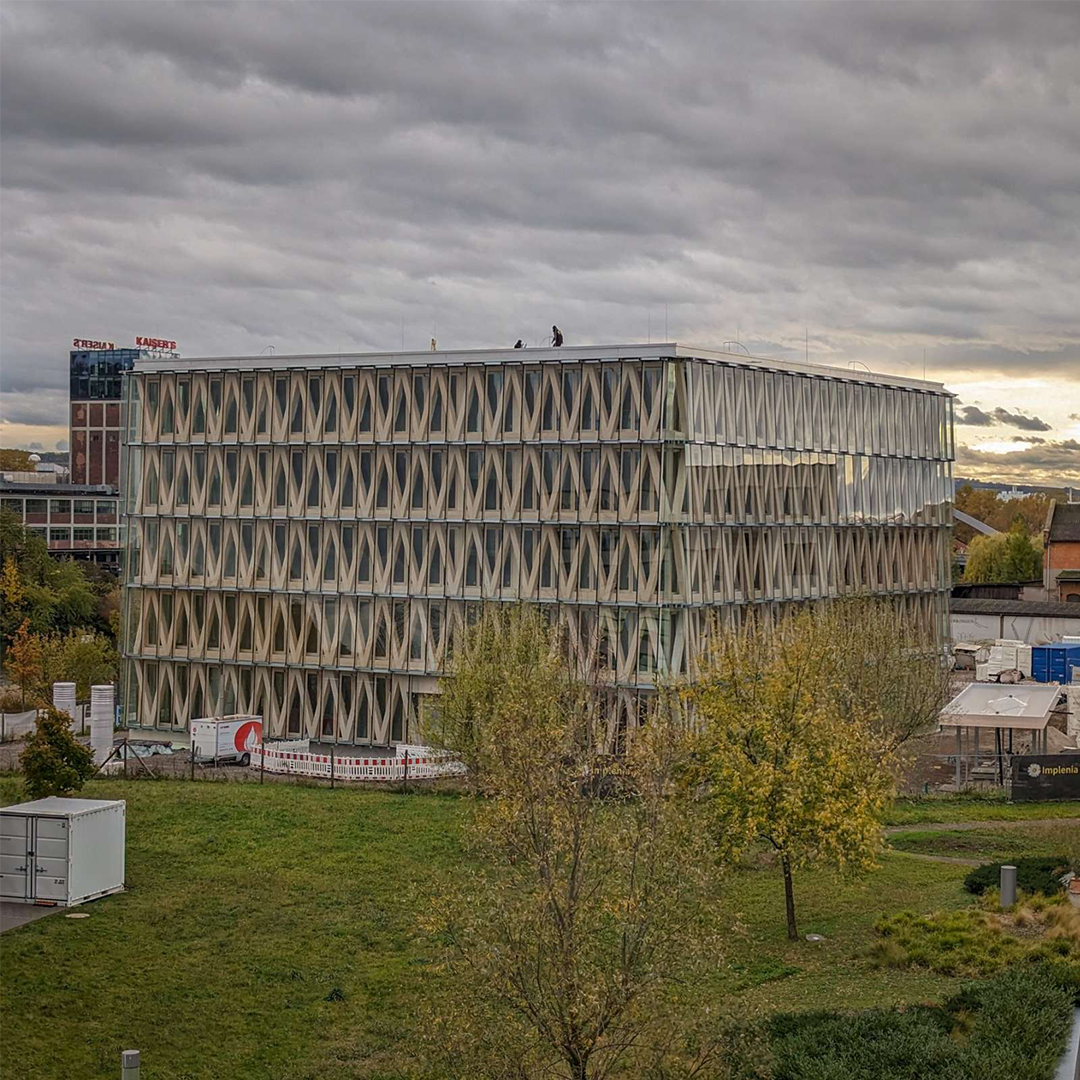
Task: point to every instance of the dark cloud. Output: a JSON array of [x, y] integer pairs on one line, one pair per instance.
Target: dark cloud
[[889, 180], [1018, 420], [1053, 463], [973, 416], [1033, 440]]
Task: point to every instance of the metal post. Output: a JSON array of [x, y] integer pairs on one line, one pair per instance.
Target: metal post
[[129, 1065], [1001, 762], [976, 759], [1008, 886], [262, 758], [959, 751], [331, 765]]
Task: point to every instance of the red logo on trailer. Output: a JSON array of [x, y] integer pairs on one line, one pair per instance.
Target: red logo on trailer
[[248, 736]]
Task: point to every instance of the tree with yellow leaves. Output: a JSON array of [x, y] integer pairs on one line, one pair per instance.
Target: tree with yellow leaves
[[784, 756], [24, 661], [572, 934]]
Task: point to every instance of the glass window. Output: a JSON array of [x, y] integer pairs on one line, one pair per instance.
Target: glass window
[[59, 536], [84, 506], [83, 533], [60, 506]]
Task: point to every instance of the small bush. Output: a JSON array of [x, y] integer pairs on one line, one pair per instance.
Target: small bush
[[53, 761], [979, 942], [11, 700], [1014, 1025], [1033, 875]]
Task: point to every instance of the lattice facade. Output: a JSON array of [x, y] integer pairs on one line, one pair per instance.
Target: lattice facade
[[305, 535]]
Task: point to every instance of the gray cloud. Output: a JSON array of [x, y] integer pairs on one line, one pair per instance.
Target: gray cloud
[[1034, 440], [1018, 420], [973, 416], [883, 178], [1054, 463]]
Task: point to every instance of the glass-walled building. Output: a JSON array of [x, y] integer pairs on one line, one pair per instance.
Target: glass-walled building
[[95, 386], [305, 534]]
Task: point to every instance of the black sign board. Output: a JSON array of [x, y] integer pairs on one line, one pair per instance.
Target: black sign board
[[1047, 776]]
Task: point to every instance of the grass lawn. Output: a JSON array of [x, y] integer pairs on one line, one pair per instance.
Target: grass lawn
[[271, 932], [990, 844], [919, 811]]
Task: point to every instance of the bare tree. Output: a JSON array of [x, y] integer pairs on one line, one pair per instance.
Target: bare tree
[[569, 943], [887, 663]]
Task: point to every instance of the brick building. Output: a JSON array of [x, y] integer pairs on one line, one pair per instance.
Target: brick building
[[1061, 552]]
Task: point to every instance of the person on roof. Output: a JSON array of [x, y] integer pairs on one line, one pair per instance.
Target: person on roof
[[556, 336], [520, 344]]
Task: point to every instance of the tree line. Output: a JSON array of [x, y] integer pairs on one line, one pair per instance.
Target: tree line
[[59, 619]]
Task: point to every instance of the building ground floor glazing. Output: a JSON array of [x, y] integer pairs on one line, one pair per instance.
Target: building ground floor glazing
[[353, 666]]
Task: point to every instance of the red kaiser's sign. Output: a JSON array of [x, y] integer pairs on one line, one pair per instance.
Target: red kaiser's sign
[[156, 343]]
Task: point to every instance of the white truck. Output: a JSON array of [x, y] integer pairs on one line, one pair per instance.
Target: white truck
[[225, 738]]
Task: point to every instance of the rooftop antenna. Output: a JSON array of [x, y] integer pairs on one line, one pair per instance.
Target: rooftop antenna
[[270, 347]]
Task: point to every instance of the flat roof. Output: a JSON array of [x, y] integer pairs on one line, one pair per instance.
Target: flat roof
[[568, 353], [978, 605], [55, 805], [98, 491], [993, 705]]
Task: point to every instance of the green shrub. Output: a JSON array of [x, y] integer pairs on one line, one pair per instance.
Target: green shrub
[[1010, 1027], [1033, 874], [964, 942], [53, 761]]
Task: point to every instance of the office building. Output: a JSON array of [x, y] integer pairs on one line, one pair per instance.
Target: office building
[[76, 520], [305, 534]]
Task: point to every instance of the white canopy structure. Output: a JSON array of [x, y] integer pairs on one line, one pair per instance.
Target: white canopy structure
[[1020, 707], [991, 705]]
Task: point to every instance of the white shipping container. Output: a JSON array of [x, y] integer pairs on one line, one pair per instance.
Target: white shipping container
[[1005, 655], [61, 851], [1023, 660], [226, 738]]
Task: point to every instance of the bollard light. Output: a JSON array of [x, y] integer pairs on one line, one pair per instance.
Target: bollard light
[[1008, 886], [129, 1065]]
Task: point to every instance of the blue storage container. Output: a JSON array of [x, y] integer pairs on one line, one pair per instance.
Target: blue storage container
[[1055, 662], [1040, 663]]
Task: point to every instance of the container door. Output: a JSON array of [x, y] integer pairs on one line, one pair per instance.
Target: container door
[[15, 856], [50, 859]]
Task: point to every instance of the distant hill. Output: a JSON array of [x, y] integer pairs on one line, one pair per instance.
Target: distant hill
[[1026, 489]]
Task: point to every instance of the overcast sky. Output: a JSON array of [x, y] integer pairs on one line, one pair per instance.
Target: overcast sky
[[892, 182]]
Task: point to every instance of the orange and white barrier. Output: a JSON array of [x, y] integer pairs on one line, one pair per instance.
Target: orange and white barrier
[[400, 763]]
